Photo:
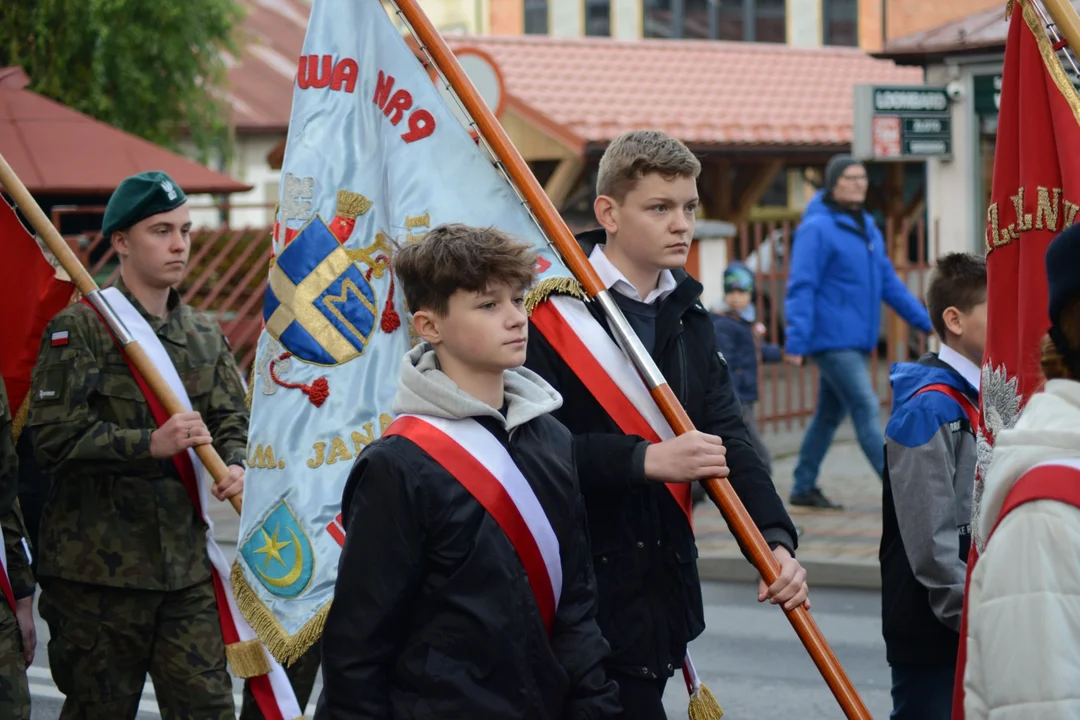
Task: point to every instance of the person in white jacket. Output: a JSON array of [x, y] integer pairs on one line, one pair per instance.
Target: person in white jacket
[[1023, 642]]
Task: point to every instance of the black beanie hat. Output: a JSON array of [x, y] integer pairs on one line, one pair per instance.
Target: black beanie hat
[[1063, 270], [1063, 285], [836, 167]]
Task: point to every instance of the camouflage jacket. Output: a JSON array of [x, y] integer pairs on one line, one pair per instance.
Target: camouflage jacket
[[116, 516], [18, 564]]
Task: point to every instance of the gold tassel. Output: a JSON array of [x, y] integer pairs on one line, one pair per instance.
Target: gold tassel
[[351, 205], [19, 420], [1008, 9], [247, 658], [285, 648], [703, 705], [553, 286]]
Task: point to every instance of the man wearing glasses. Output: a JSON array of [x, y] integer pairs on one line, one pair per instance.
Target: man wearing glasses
[[840, 272]]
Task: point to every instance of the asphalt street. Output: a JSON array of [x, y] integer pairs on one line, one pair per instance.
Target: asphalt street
[[749, 657]]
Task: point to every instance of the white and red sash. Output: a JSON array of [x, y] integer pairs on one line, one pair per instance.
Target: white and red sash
[[5, 581], [614, 382], [610, 377], [482, 465], [272, 691], [1057, 480]]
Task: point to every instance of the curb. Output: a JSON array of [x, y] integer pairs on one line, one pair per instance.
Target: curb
[[845, 574]]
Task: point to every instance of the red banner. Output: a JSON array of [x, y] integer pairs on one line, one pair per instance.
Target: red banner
[[1035, 195], [31, 295]]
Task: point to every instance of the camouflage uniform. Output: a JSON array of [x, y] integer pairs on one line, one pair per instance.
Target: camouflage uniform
[[125, 576], [14, 692]]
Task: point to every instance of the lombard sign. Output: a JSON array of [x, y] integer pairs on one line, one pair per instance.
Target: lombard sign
[[901, 123]]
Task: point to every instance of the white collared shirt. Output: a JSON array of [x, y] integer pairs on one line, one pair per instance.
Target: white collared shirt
[[967, 369], [613, 279]]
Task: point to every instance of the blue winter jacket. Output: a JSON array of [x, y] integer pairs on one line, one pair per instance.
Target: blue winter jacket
[[839, 275], [735, 339]]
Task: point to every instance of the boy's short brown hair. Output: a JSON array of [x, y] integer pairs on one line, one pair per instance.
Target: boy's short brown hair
[[958, 280], [459, 257], [634, 155]]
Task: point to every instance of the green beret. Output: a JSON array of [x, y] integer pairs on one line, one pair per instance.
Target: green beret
[[137, 198]]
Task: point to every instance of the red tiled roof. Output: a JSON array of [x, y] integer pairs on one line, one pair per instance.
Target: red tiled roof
[[261, 80], [593, 89], [985, 30], [56, 150], [705, 93]]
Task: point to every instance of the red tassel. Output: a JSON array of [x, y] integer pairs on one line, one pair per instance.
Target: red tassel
[[390, 321], [317, 391]]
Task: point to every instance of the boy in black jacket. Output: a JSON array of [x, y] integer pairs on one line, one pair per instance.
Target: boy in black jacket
[[643, 545], [464, 588]]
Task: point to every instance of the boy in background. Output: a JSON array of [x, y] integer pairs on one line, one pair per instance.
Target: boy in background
[[930, 459], [739, 337]]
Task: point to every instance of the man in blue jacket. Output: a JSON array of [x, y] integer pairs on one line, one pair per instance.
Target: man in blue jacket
[[840, 272]]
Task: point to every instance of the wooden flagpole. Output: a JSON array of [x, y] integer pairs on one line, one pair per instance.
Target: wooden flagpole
[[25, 202], [1066, 20], [555, 228]]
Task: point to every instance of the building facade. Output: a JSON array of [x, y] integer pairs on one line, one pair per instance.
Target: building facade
[[803, 23]]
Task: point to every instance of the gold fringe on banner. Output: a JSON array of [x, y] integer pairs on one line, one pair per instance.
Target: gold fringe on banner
[[553, 286], [285, 648], [247, 658], [1050, 59], [703, 705]]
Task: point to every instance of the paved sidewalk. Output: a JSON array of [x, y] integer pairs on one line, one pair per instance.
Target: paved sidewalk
[[839, 549]]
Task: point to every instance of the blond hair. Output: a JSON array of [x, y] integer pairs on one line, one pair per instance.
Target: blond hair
[[632, 156]]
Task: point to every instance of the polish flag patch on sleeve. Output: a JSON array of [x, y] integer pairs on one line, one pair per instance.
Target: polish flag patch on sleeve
[[60, 339]]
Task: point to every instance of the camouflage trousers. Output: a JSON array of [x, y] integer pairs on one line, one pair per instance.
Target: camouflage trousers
[[105, 640], [14, 691], [301, 676]]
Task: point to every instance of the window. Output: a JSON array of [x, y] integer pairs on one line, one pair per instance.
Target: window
[[753, 20], [536, 17], [770, 21], [658, 19], [840, 22], [598, 18]]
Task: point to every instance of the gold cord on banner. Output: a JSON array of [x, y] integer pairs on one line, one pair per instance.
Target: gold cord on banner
[[285, 648]]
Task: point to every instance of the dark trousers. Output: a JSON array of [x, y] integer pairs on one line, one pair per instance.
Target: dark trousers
[[641, 698], [922, 692]]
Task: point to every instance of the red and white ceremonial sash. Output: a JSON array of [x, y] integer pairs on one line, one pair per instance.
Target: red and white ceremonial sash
[[5, 581], [610, 377], [613, 381], [1057, 480], [272, 691], [482, 465]]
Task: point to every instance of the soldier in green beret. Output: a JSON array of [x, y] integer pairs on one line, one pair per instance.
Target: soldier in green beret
[[18, 636], [126, 585]]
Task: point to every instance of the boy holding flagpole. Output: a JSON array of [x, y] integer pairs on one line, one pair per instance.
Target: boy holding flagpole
[[637, 489], [464, 588]]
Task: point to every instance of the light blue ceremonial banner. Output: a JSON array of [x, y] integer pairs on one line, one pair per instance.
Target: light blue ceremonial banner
[[374, 159]]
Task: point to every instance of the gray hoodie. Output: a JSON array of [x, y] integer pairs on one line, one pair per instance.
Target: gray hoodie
[[424, 389]]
